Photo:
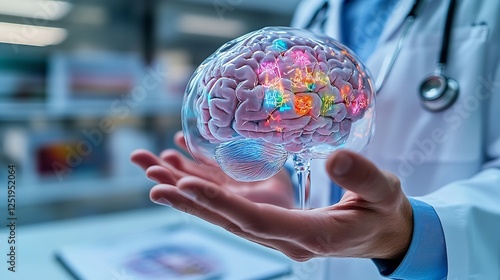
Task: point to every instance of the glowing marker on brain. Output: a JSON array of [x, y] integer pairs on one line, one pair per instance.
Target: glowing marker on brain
[[297, 81], [321, 78], [300, 58], [310, 83], [282, 99], [281, 102], [344, 92], [358, 104], [303, 104], [270, 98], [327, 103], [272, 72], [284, 108], [279, 45], [270, 67], [270, 118]]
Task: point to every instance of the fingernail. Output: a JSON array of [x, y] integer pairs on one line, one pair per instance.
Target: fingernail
[[189, 193], [343, 164], [162, 201]]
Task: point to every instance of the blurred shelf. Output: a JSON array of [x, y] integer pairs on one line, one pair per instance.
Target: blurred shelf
[[15, 110], [42, 193], [276, 7], [89, 108]]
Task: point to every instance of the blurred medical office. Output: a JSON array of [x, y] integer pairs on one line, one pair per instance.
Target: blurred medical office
[[83, 83]]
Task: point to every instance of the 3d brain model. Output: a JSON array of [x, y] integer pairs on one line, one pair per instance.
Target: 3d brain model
[[277, 93]]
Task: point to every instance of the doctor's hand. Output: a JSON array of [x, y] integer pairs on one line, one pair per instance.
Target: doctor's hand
[[372, 220], [171, 166]]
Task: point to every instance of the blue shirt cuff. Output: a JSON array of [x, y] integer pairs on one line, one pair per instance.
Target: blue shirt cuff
[[426, 256]]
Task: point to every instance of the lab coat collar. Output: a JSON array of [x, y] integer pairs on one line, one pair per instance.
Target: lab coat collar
[[305, 12], [396, 19], [333, 24], [394, 23]]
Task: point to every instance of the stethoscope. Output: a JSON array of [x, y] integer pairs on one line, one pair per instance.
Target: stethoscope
[[437, 92]]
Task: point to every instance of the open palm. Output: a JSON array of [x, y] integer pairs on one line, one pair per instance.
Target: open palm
[[171, 166]]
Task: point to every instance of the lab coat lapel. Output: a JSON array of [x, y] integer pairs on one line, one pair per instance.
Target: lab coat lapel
[[305, 12], [396, 19], [333, 24]]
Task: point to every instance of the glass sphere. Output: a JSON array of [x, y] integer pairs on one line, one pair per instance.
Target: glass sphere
[[274, 92]]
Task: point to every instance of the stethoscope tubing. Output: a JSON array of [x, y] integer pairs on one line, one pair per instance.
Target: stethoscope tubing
[[389, 60], [443, 57]]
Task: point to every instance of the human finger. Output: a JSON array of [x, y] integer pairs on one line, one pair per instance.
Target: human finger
[[169, 195], [263, 220], [359, 175], [180, 162], [144, 158], [180, 141], [172, 196], [161, 175], [165, 174]]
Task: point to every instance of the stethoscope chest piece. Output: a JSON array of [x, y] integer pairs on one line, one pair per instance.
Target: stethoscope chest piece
[[438, 93]]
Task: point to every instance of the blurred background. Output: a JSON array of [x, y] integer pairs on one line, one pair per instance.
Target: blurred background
[[83, 83]]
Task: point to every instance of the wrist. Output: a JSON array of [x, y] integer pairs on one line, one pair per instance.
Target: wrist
[[426, 256], [394, 242]]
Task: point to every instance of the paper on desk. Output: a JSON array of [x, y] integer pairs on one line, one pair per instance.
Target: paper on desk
[[181, 252]]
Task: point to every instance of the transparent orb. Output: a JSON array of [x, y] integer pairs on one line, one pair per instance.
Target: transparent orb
[[275, 92]]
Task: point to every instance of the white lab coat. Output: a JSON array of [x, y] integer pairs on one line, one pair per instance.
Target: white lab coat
[[449, 159]]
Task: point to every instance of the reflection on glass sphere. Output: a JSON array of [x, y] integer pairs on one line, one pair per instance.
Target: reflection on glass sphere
[[274, 92]]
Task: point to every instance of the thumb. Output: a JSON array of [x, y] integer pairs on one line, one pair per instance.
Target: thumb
[[359, 175], [180, 141]]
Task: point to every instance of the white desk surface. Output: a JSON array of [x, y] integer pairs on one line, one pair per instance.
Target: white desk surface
[[37, 244]]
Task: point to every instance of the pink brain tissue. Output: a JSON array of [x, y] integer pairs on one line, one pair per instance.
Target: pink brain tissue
[[280, 86]]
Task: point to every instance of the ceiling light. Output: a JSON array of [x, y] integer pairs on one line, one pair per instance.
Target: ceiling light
[[21, 34], [211, 26], [36, 9]]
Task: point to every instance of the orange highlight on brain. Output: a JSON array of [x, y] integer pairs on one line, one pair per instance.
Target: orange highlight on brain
[[303, 104]]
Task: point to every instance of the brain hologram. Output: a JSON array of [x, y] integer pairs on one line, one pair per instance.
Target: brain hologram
[[279, 86]]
